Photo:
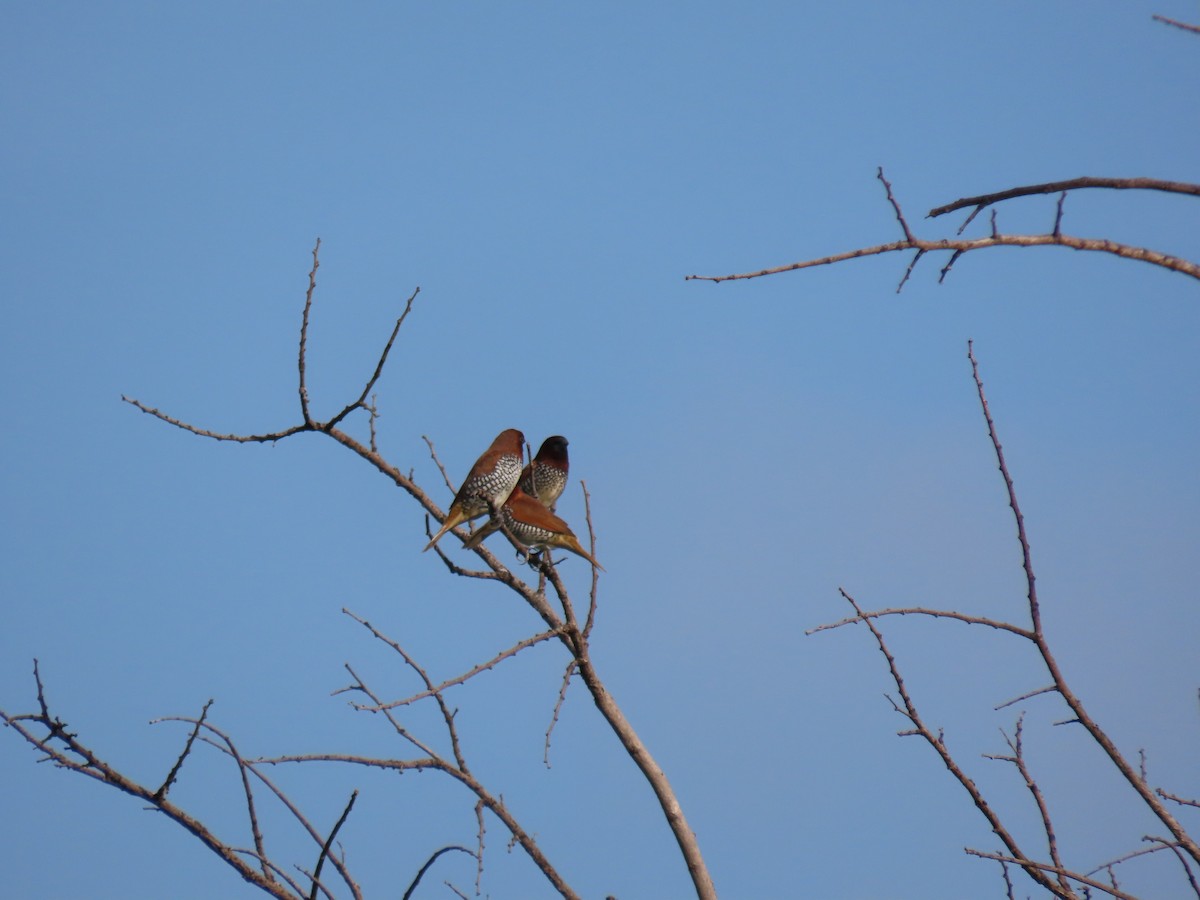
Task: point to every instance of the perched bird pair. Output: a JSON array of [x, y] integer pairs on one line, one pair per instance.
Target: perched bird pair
[[522, 498]]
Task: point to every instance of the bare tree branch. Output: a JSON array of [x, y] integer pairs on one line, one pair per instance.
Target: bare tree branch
[[72, 754], [429, 862], [1128, 772], [316, 876], [1195, 29], [907, 708], [958, 247], [1073, 876], [1071, 184], [458, 679], [187, 748], [932, 613], [1017, 758]]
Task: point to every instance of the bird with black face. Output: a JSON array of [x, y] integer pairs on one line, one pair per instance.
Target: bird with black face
[[545, 477], [489, 483]]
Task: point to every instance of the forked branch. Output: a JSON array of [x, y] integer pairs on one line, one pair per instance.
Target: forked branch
[[957, 247], [1064, 879], [565, 626]]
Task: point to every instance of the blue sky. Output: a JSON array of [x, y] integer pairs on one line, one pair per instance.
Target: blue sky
[[548, 174]]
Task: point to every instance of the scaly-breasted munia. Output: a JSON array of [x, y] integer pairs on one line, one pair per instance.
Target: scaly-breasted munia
[[545, 477], [535, 526], [489, 482]]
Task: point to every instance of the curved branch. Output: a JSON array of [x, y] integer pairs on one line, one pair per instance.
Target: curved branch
[[932, 613], [76, 756], [1071, 184], [493, 804], [907, 708], [568, 631], [1097, 245], [1055, 870], [1131, 775], [1195, 29], [429, 862], [957, 247]]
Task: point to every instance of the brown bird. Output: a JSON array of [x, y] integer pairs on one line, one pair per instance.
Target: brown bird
[[489, 482], [535, 526], [545, 477]]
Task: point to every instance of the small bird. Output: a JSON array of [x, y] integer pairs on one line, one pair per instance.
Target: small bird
[[534, 526], [545, 477], [489, 482]]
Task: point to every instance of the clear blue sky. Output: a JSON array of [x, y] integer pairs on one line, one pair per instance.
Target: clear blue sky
[[548, 173]]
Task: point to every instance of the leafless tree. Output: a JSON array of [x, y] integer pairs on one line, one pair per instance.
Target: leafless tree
[[545, 594], [569, 628], [1046, 868]]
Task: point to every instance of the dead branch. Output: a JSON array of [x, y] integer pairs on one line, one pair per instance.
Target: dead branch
[[1016, 745], [558, 705], [490, 802], [187, 748], [458, 679], [1081, 715], [1182, 801], [1195, 29], [429, 862], [1073, 876], [316, 876], [1071, 184], [66, 751], [1158, 845], [931, 613], [565, 628], [907, 708], [958, 247], [1181, 842]]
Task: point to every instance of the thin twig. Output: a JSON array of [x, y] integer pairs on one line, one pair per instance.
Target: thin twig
[[558, 705], [1048, 689], [360, 403], [1195, 29], [1183, 801], [1100, 245], [429, 862], [1081, 715], [1045, 867], [187, 748], [960, 246], [316, 876], [1016, 745], [907, 708], [932, 613], [302, 362], [459, 679], [1070, 184], [78, 757]]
